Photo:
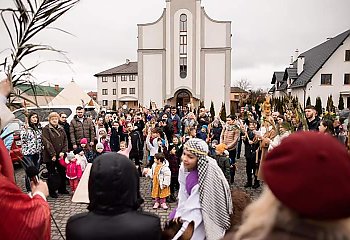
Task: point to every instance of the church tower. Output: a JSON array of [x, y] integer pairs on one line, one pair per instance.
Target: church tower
[[184, 57]]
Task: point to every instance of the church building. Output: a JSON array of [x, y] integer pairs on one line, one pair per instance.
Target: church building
[[184, 57]]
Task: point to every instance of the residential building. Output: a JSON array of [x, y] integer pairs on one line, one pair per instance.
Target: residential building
[[118, 86], [44, 94], [322, 71], [180, 61], [237, 97]]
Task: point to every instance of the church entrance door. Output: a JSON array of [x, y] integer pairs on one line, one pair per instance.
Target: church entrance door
[[182, 99]]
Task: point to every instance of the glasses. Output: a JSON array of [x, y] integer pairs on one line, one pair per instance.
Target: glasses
[[63, 117]]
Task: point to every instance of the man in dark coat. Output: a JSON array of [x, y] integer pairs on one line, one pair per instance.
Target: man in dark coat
[[175, 121], [313, 121], [251, 144], [136, 153], [63, 122], [81, 127], [114, 194]]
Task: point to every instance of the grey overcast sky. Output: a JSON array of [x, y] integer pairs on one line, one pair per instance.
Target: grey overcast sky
[[265, 34]]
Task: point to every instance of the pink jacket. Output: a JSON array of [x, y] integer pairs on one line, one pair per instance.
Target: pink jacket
[[127, 150], [106, 146], [73, 170]]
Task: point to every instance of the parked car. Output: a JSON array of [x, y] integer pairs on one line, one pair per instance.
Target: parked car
[[44, 112], [12, 139]]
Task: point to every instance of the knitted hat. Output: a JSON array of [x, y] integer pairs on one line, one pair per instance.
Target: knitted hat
[[70, 156], [309, 173], [83, 141], [77, 150], [99, 146], [205, 126], [221, 148]]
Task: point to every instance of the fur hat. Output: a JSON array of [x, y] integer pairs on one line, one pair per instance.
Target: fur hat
[[99, 146], [70, 156], [309, 173], [221, 148], [83, 141]]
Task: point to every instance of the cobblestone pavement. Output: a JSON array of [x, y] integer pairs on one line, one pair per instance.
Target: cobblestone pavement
[[62, 207]]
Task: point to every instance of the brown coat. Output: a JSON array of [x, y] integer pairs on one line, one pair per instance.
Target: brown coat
[[79, 130], [230, 137], [54, 142]]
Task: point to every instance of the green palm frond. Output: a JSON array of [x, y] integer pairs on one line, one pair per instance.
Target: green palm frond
[[22, 23]]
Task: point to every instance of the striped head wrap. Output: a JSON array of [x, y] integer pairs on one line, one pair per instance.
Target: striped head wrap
[[214, 191]]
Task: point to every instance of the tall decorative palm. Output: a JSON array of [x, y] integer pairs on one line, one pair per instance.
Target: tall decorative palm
[[22, 23]]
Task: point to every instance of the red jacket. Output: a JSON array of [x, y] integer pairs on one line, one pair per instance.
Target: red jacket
[[21, 217], [73, 170]]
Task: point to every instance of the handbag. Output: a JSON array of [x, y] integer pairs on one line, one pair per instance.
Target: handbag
[[53, 180]]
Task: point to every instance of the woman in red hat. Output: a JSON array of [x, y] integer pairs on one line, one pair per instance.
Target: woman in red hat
[[307, 194]]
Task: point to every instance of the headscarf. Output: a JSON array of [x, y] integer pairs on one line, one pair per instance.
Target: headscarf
[[214, 191]]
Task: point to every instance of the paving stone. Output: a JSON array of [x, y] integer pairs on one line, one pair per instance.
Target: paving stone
[[62, 207]]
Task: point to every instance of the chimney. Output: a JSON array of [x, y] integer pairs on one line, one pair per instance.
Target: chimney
[[127, 61], [291, 61], [57, 87], [296, 53]]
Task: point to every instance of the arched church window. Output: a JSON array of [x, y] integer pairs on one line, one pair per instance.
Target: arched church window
[[183, 23], [183, 46]]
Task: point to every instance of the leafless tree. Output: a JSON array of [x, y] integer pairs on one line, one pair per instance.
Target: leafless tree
[[243, 84]]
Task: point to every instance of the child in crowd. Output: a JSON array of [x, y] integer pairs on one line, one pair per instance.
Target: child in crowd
[[174, 165], [101, 132], [81, 159], [178, 146], [251, 144], [192, 132], [212, 147], [203, 133], [99, 150], [73, 170], [152, 144], [223, 160], [161, 175], [125, 150], [105, 142], [89, 154]]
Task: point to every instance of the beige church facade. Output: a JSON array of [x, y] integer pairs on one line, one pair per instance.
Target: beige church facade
[[184, 57]]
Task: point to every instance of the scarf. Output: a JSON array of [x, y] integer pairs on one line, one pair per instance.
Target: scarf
[[214, 191], [55, 129]]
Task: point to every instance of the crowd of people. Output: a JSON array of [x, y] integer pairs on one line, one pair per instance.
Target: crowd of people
[[191, 159]]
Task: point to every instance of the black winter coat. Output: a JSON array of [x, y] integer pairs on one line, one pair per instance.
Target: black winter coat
[[114, 202], [314, 124], [116, 137], [66, 127], [250, 149], [137, 145]]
